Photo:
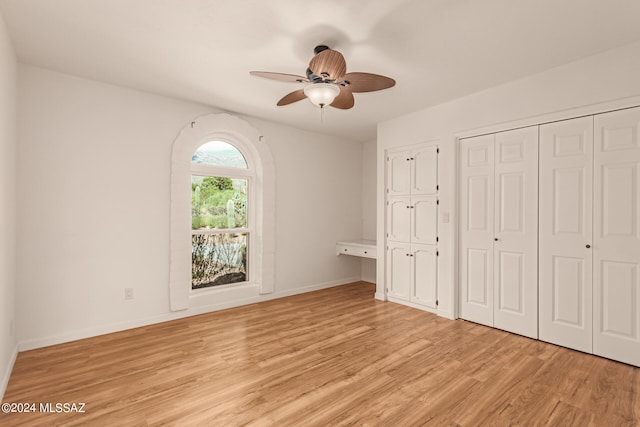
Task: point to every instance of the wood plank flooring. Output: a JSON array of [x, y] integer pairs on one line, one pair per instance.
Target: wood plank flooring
[[332, 357]]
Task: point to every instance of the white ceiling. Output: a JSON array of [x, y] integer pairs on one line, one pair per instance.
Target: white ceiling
[[203, 50]]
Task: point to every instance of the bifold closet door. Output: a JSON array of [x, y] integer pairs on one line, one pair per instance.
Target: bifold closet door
[[476, 229], [499, 230], [565, 214], [515, 255], [617, 236]]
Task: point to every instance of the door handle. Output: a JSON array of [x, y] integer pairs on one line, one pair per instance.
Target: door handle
[[495, 239], [588, 246]]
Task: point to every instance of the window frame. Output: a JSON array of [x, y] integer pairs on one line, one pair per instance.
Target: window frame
[[251, 143]]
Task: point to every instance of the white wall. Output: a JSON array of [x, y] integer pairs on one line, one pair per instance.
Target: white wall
[[580, 87], [94, 179], [368, 273], [8, 344]]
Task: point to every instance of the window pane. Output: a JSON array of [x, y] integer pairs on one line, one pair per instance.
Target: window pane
[[218, 202], [219, 153], [218, 259]]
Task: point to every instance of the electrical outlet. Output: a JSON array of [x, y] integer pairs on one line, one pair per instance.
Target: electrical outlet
[[128, 293]]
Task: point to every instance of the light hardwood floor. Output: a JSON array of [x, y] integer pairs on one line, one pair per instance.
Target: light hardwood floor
[[332, 357]]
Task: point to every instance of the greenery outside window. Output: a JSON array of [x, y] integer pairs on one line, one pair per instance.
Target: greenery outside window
[[220, 220]]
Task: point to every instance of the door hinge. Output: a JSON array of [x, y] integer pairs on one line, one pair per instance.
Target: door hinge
[[437, 150], [438, 202], [437, 253], [436, 302], [437, 187], [437, 239]]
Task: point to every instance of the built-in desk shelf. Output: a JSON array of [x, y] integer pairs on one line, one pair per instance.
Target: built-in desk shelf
[[361, 248]]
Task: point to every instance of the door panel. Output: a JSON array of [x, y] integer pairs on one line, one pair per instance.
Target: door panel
[[480, 203], [567, 292], [510, 282], [476, 229], [425, 267], [398, 270], [399, 173], [479, 279], [424, 220], [399, 219], [616, 248], [425, 170], [565, 263], [516, 231], [619, 286], [619, 209], [511, 209]]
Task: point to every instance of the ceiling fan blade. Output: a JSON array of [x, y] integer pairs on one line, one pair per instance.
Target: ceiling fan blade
[[329, 62], [292, 97], [344, 100], [280, 76], [367, 82]]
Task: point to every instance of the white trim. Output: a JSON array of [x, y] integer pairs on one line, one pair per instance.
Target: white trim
[[250, 143], [556, 116], [195, 311], [7, 372], [412, 305]]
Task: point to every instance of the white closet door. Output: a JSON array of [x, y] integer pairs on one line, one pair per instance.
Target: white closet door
[[399, 173], [516, 232], [424, 220], [399, 219], [425, 274], [476, 229], [399, 270], [425, 170], [616, 248], [565, 259]]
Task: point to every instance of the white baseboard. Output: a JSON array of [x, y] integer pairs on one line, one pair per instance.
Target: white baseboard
[[412, 305], [7, 372], [445, 313], [131, 324]]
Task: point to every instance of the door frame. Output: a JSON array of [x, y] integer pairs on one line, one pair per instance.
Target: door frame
[[557, 116]]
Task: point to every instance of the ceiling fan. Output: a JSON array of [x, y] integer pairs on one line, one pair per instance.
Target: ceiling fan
[[327, 81]]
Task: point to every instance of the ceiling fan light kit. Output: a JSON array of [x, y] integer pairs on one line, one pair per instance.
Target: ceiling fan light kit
[[327, 81], [321, 94]]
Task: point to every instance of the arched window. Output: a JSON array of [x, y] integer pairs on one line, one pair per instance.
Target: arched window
[[222, 216], [221, 220]]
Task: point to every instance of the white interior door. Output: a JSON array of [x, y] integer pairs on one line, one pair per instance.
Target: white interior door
[[399, 173], [399, 270], [565, 214], [425, 170], [424, 220], [476, 229], [425, 273], [399, 219], [616, 248], [516, 231]]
